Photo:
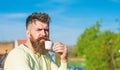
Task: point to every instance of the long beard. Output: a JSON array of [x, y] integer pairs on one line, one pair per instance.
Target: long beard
[[38, 46]]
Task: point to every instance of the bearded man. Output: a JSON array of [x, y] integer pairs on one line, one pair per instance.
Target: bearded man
[[32, 55]]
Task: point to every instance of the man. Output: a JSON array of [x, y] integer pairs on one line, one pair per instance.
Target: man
[[32, 55]]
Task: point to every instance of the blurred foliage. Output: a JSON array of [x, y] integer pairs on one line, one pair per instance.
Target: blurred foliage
[[101, 49], [75, 63], [6, 42], [72, 51]]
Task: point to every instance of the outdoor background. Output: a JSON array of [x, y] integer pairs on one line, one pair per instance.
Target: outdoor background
[[85, 26]]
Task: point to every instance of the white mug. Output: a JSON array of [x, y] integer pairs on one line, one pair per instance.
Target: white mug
[[48, 45]]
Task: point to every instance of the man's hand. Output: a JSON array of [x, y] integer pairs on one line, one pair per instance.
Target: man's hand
[[62, 50]]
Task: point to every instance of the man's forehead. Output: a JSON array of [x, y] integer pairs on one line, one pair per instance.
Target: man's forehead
[[39, 24]]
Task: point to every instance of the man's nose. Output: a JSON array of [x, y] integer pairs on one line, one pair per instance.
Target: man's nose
[[43, 32]]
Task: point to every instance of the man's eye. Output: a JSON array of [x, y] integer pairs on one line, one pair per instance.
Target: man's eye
[[39, 29], [42, 29], [46, 29]]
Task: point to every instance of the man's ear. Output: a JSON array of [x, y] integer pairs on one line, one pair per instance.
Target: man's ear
[[28, 33]]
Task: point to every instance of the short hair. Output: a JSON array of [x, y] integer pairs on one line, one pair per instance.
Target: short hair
[[43, 17]]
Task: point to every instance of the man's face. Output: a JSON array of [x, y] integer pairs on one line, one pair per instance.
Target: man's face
[[38, 35], [40, 31]]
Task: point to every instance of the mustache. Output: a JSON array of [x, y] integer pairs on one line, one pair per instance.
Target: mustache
[[45, 38]]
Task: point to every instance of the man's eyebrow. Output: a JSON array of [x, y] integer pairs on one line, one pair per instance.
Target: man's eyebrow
[[42, 29]]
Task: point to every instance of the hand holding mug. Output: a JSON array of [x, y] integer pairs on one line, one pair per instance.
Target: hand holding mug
[[61, 49]]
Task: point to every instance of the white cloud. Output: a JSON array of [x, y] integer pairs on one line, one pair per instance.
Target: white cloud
[[13, 15], [12, 24], [12, 18]]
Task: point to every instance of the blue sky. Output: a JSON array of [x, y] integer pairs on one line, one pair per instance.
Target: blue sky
[[69, 17]]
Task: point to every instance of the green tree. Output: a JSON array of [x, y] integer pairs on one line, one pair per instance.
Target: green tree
[[86, 38], [99, 48]]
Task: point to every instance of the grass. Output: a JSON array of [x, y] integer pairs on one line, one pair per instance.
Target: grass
[[77, 62], [74, 63]]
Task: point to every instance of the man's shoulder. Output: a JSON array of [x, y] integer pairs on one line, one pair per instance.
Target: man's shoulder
[[18, 50]]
